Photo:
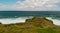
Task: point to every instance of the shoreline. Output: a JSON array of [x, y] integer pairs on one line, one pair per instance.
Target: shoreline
[[23, 19]]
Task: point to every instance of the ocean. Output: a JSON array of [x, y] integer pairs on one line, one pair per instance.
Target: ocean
[[10, 17]]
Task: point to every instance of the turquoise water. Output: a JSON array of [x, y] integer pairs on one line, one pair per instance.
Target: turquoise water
[[13, 14], [10, 17]]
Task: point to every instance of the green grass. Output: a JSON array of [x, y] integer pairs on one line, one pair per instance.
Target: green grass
[[23, 29], [30, 26]]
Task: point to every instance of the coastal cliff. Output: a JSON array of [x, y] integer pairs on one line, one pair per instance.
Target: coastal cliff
[[33, 25]]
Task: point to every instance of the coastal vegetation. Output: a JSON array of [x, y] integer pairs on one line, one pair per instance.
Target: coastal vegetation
[[34, 25]]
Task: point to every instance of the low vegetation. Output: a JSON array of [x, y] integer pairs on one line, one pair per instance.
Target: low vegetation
[[34, 25]]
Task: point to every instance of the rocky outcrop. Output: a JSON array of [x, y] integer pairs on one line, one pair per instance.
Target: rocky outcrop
[[40, 21]]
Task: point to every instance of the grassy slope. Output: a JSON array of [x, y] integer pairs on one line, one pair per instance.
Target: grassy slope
[[34, 25]]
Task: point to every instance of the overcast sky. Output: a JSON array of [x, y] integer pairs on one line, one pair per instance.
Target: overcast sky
[[30, 5]]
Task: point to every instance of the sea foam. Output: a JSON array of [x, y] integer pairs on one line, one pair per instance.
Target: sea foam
[[55, 21], [13, 20], [23, 19]]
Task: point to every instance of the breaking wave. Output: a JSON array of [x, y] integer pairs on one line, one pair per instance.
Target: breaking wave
[[55, 21], [13, 20], [23, 19]]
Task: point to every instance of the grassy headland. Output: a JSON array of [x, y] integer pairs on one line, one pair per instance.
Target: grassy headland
[[34, 25]]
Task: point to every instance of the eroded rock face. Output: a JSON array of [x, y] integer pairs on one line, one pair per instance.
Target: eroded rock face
[[41, 21]]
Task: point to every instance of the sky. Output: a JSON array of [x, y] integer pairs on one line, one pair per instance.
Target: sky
[[30, 5]]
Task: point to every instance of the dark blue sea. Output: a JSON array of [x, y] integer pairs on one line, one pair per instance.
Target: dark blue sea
[[7, 17], [13, 14]]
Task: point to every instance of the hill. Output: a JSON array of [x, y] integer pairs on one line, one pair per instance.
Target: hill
[[34, 25]]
